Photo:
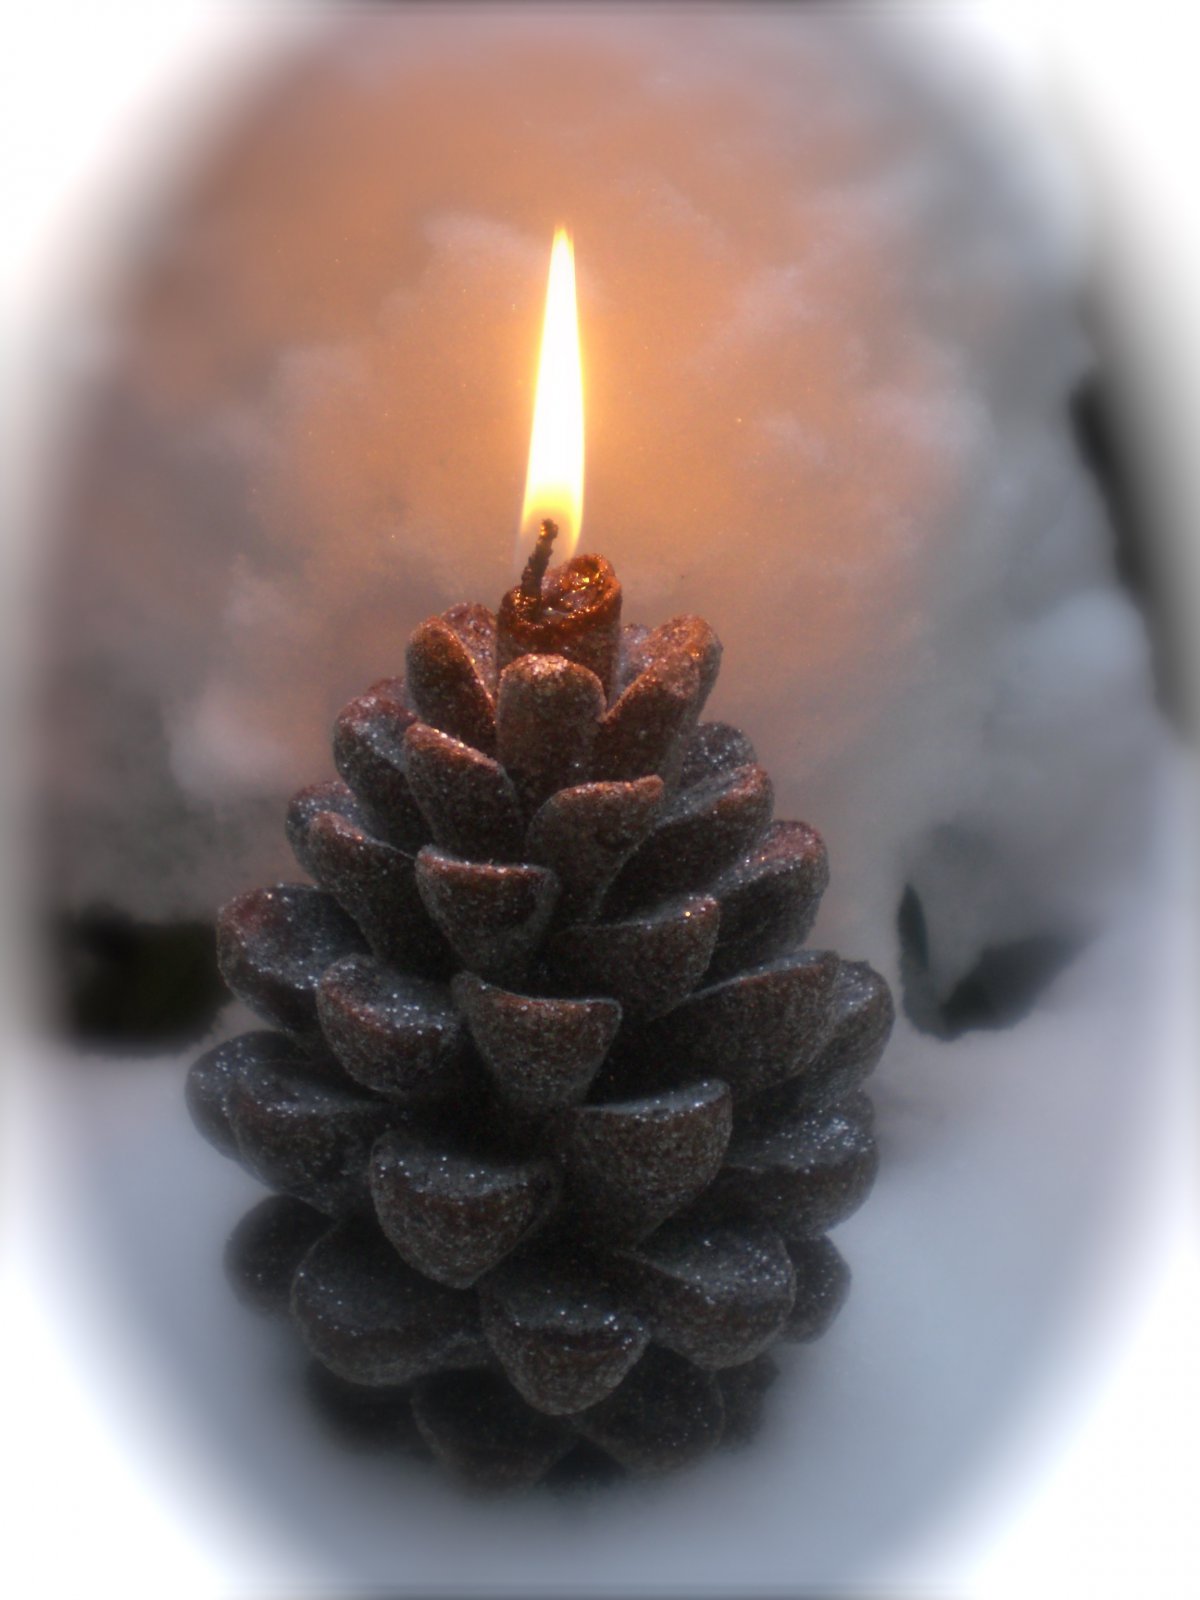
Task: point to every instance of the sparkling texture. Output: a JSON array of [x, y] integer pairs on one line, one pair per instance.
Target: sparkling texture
[[667, 1414], [371, 1319], [304, 1136], [447, 685], [822, 1284], [547, 716], [274, 944], [586, 835], [717, 1295], [564, 1336], [646, 731], [804, 1172], [455, 1215], [769, 899], [555, 1062], [494, 916], [632, 1164], [308, 804], [467, 799], [714, 747], [368, 751], [705, 829], [397, 1035], [214, 1075], [689, 636], [754, 1030], [648, 962], [376, 884], [578, 617], [541, 1051]]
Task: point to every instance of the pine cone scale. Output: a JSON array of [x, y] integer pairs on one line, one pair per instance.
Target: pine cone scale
[[369, 753], [456, 1216], [564, 1337], [716, 1295], [493, 916], [667, 1414], [468, 801], [274, 944], [541, 1051], [373, 1320], [635, 1163], [650, 963], [304, 1136], [586, 834], [756, 1029], [448, 686], [401, 1037], [704, 830]]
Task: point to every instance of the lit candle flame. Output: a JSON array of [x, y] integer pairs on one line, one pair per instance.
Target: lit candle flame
[[554, 482]]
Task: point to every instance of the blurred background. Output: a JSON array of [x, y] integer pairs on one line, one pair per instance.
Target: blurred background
[[889, 343]]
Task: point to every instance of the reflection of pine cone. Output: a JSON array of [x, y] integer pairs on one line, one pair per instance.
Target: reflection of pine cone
[[567, 1110]]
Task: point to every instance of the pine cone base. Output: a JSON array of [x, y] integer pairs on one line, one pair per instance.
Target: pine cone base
[[558, 1107]]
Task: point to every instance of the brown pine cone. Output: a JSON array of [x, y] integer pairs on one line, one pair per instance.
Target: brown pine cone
[[562, 1107]]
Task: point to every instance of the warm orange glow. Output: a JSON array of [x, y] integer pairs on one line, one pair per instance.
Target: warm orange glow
[[554, 482]]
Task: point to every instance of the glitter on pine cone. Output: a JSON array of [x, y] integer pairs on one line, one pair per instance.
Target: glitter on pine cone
[[558, 1108]]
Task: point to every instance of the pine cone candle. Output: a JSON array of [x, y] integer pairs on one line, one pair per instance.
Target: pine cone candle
[[559, 1109]]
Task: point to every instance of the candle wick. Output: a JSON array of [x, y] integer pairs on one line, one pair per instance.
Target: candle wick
[[535, 567]]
